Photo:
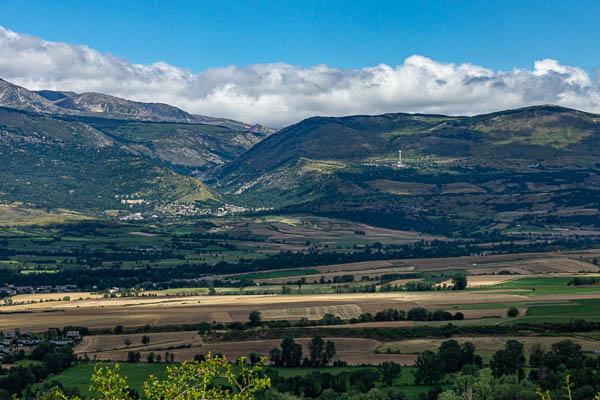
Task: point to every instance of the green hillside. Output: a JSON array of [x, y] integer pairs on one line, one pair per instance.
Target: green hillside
[[536, 134], [57, 163], [460, 174]]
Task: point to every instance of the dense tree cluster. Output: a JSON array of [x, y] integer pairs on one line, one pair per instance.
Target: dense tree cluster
[[565, 358], [451, 357], [459, 282], [53, 360], [289, 354], [563, 362], [363, 383], [509, 361], [583, 280], [320, 352]]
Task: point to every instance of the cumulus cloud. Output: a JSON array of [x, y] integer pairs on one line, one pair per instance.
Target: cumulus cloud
[[279, 94]]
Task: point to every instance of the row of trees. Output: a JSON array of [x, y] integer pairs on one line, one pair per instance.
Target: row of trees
[[584, 280], [414, 314], [459, 282], [135, 356]]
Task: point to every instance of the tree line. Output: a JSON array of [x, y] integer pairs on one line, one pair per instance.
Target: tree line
[[186, 275]]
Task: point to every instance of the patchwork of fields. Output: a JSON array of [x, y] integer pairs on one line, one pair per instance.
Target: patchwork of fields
[[538, 286], [161, 311]]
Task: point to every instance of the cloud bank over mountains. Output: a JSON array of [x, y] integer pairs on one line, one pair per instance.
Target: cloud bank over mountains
[[280, 94]]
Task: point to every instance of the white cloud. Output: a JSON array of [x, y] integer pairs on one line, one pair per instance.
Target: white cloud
[[279, 94]]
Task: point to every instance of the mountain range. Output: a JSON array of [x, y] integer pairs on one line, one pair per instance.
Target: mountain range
[[155, 130], [102, 105], [535, 166], [87, 151]]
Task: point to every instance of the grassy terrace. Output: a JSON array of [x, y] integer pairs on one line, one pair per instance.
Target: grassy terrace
[[78, 376], [277, 274]]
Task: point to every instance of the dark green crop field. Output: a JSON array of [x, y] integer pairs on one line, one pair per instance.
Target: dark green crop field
[[575, 308]]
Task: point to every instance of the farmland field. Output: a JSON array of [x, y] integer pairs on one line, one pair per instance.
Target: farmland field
[[34, 232], [536, 282], [190, 309], [184, 345], [578, 308]]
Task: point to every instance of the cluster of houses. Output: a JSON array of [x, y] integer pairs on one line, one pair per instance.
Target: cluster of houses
[[12, 290], [15, 341], [183, 210]]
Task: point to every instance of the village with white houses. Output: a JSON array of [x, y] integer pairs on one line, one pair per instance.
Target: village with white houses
[[180, 210]]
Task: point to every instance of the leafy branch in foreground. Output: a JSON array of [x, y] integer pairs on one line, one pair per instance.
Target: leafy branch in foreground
[[214, 379]]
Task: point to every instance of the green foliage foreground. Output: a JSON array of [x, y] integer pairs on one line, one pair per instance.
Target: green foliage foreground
[[215, 379]]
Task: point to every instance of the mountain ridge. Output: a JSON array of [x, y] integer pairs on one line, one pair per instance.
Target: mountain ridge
[[324, 129], [98, 104], [13, 96]]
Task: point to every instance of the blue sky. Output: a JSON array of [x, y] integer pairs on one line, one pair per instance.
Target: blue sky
[[348, 34]]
